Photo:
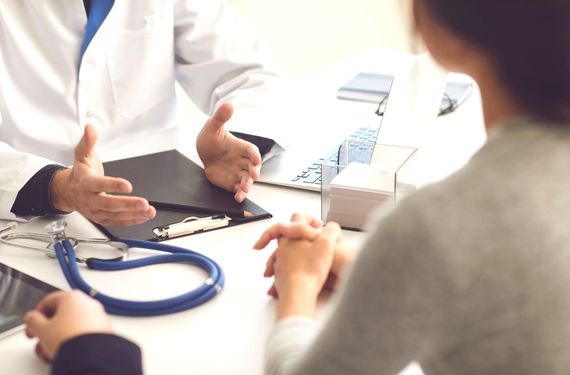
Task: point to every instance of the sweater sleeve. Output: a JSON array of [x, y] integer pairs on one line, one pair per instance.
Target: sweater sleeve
[[287, 342], [100, 354], [390, 311]]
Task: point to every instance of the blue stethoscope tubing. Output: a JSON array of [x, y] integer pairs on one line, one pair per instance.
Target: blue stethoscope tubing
[[65, 254]]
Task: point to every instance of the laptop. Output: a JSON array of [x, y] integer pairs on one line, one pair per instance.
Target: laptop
[[300, 165]]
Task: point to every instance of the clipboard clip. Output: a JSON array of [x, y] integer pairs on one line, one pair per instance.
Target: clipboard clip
[[191, 225]]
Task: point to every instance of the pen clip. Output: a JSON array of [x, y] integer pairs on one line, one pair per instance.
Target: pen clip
[[191, 225]]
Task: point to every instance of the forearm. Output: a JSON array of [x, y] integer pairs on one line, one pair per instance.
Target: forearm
[[298, 300]]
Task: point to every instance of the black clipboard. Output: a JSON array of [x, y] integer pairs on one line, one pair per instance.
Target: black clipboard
[[178, 188]]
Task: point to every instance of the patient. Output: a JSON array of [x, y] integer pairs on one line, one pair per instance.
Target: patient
[[470, 275]]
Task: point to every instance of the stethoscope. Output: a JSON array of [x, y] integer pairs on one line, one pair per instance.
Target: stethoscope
[[62, 247]]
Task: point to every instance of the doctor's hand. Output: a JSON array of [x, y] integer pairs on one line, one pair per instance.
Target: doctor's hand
[[61, 316], [84, 188], [229, 162]]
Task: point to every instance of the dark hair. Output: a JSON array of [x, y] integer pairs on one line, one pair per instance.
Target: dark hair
[[529, 43]]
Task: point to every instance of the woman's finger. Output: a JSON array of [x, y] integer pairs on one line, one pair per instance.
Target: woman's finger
[[329, 237], [295, 231], [270, 265], [307, 218]]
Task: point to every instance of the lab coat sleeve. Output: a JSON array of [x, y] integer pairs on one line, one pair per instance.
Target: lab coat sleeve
[[220, 59], [16, 169]]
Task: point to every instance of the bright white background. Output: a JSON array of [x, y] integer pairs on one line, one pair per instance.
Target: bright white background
[[306, 34]]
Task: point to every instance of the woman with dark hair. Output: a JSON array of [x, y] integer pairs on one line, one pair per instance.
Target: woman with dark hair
[[470, 275]]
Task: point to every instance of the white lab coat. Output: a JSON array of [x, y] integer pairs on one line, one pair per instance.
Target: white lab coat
[[125, 83]]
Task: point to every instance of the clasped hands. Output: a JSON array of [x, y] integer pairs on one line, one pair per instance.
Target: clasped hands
[[229, 162], [308, 258]]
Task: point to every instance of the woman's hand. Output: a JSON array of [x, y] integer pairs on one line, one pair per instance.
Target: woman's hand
[[301, 268], [303, 227]]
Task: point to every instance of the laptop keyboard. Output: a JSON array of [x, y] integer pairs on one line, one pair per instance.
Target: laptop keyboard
[[360, 147]]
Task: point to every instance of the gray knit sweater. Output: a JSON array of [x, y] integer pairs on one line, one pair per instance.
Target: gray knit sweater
[[468, 276]]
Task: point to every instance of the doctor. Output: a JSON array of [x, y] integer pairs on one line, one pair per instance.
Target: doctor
[[113, 64]]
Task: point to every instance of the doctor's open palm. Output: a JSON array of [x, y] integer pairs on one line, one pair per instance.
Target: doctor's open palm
[[85, 188], [229, 162]]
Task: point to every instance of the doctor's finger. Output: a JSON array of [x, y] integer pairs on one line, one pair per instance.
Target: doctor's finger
[[251, 152], [118, 203], [87, 142], [105, 184], [246, 182], [122, 218], [255, 171], [220, 117], [246, 165], [240, 195], [242, 187]]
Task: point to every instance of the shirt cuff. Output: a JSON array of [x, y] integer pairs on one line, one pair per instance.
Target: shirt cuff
[[34, 198]]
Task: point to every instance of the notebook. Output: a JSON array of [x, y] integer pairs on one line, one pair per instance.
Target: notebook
[[178, 188]]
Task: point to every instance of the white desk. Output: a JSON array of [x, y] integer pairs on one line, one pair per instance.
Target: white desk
[[227, 334]]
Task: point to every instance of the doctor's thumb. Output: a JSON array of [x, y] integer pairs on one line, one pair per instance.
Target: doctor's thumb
[[221, 116], [87, 142]]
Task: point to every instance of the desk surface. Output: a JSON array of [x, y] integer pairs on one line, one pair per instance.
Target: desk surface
[[226, 335]]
